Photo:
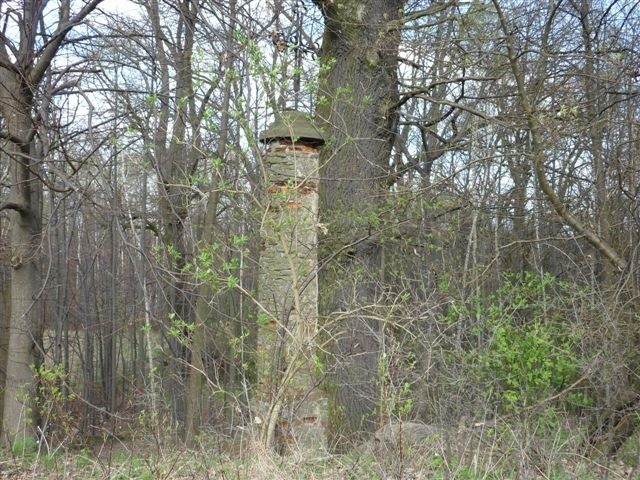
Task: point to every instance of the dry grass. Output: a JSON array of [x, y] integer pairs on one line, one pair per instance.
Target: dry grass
[[453, 455]]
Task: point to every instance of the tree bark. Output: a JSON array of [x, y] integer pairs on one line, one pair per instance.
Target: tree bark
[[5, 313], [24, 329], [357, 104]]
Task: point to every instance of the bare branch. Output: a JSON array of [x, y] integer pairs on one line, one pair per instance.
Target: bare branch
[[54, 44], [538, 154], [419, 92], [4, 135], [15, 206]]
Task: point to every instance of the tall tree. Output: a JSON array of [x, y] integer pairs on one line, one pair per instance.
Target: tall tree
[[175, 147], [23, 65], [358, 101]]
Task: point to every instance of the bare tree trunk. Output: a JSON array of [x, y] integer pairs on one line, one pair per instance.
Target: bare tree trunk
[[110, 352], [5, 314], [89, 317], [360, 91], [25, 329], [594, 94], [61, 334], [175, 158]]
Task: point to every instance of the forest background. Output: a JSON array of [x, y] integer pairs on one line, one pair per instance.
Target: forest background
[[478, 228]]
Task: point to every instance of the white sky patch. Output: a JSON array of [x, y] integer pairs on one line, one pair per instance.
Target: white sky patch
[[121, 7]]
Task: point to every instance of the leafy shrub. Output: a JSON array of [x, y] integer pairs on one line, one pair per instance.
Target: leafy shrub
[[524, 341]]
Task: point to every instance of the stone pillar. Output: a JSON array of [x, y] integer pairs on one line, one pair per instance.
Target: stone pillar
[[290, 406]]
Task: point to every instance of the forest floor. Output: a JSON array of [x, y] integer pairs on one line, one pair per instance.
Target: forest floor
[[120, 460]]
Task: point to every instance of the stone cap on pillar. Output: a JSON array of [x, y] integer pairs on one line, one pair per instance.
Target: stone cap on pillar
[[295, 127]]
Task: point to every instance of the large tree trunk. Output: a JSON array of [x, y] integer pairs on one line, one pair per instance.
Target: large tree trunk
[[24, 328], [357, 105]]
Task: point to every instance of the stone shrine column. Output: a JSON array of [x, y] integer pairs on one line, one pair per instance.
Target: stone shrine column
[[291, 408]]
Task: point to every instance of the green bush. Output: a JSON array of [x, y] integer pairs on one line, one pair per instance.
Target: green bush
[[524, 340]]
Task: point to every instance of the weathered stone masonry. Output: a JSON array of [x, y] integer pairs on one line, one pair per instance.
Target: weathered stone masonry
[[289, 399]]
